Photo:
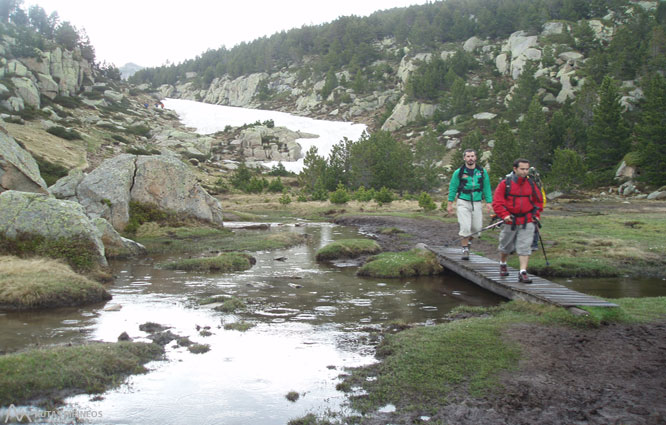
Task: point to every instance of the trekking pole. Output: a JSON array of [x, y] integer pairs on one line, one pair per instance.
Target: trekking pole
[[542, 247], [490, 226]]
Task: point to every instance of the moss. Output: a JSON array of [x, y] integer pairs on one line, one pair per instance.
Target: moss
[[77, 252], [50, 172]]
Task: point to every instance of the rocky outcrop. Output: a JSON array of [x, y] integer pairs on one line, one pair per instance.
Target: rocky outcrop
[[18, 169], [272, 144], [26, 215], [404, 113], [52, 73], [160, 180]]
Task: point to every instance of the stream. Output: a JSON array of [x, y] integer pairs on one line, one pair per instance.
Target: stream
[[310, 322]]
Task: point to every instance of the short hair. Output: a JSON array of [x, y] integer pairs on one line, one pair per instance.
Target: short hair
[[468, 150], [519, 160]]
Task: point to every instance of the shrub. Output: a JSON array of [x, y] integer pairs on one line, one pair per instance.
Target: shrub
[[275, 185], [285, 199], [138, 130], [67, 101], [340, 196], [363, 195], [384, 196], [64, 133], [50, 172], [426, 202]]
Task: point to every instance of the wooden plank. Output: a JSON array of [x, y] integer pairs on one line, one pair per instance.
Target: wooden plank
[[485, 273]]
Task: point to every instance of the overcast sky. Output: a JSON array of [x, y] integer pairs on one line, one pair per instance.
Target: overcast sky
[[150, 32]]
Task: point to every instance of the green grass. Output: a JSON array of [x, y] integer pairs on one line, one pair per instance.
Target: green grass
[[44, 283], [402, 264], [51, 373], [202, 239], [421, 366], [347, 248], [225, 262]]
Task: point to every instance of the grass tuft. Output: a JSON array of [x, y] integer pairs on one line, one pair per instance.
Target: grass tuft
[[347, 248], [402, 264], [225, 262], [44, 283], [51, 372]]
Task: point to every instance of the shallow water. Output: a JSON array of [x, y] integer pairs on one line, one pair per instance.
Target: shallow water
[[311, 322], [616, 287]]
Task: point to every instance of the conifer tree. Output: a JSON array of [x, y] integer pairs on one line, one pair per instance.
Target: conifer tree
[[608, 136], [505, 152], [651, 133], [526, 88], [533, 137]]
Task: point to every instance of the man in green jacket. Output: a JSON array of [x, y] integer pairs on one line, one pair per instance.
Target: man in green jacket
[[471, 185]]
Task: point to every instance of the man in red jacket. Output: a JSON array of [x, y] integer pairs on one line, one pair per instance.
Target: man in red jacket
[[519, 203]]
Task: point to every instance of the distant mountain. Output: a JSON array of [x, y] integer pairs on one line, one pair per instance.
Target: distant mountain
[[129, 69]]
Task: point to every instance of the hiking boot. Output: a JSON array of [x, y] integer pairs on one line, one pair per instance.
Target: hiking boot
[[465, 253], [524, 278], [503, 270]]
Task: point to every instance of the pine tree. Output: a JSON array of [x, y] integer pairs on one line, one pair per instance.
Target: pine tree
[[526, 88], [608, 136], [567, 170], [505, 152], [533, 137], [651, 133]]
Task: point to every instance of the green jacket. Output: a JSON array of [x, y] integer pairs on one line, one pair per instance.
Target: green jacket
[[472, 189]]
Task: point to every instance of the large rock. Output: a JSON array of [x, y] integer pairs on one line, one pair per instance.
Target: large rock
[[160, 180], [27, 90], [168, 183], [105, 192], [18, 169], [24, 214]]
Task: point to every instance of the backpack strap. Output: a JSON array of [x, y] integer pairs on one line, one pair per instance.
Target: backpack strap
[[508, 179]]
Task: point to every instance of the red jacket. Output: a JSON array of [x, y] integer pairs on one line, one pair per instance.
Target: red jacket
[[524, 200]]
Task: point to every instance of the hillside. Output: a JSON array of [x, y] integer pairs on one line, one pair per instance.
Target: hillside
[[575, 86], [457, 68]]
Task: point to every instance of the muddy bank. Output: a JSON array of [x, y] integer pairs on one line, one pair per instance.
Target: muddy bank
[[612, 375], [427, 231]]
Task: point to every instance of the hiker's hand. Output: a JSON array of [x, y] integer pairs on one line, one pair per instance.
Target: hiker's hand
[[449, 208], [507, 219]]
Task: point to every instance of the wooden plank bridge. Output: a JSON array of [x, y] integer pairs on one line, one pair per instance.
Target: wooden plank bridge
[[485, 273]]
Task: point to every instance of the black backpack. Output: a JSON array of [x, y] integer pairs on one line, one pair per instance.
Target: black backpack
[[460, 181]]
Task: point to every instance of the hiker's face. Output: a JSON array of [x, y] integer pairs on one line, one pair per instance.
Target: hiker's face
[[470, 159], [522, 169]]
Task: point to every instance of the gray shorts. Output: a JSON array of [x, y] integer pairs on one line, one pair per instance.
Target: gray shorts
[[519, 239]]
